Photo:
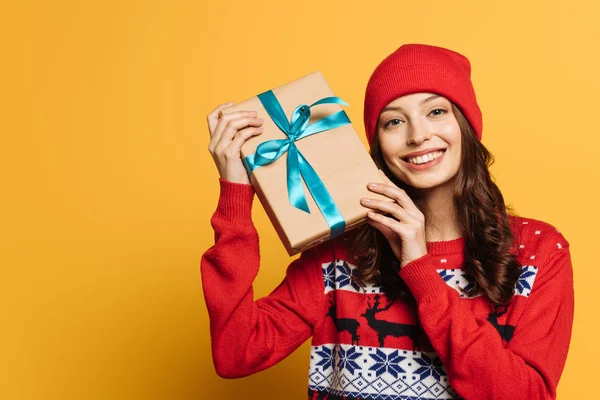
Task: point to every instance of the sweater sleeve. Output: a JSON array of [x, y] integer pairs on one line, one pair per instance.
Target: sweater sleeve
[[479, 366], [248, 336]]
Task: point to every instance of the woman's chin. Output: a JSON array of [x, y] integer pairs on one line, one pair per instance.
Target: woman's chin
[[428, 184], [421, 182]]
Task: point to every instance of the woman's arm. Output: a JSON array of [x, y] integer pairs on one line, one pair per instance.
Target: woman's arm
[[249, 336], [478, 365]]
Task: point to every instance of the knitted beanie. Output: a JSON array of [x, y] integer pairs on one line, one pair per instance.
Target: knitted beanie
[[415, 68]]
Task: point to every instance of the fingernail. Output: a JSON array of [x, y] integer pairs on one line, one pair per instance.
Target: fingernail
[[372, 184], [366, 199]]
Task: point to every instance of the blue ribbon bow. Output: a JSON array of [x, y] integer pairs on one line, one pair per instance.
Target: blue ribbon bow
[[297, 166]]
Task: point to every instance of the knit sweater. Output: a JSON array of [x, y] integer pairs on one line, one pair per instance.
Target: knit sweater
[[363, 346]]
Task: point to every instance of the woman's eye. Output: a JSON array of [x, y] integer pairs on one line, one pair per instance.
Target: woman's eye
[[438, 111], [390, 122]]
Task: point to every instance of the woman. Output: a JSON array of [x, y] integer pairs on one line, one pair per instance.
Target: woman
[[443, 294]]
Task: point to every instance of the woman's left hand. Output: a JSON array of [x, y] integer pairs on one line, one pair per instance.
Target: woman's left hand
[[406, 230]]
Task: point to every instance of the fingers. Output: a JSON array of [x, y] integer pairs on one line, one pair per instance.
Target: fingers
[[390, 227], [387, 232], [393, 209], [233, 150], [226, 119], [213, 117], [400, 196], [228, 127], [232, 127]]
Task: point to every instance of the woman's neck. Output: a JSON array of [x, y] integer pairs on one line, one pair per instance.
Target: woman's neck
[[440, 212]]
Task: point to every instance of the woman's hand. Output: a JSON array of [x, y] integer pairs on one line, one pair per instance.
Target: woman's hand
[[227, 135], [405, 229]]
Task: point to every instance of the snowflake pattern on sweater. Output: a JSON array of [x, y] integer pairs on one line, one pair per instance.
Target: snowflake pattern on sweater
[[354, 371], [337, 275]]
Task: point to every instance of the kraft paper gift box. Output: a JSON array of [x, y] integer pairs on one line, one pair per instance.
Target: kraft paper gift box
[[334, 162]]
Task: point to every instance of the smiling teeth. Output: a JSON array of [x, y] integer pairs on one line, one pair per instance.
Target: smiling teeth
[[426, 158]]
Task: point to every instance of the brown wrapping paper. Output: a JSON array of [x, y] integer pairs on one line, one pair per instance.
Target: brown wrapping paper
[[337, 155]]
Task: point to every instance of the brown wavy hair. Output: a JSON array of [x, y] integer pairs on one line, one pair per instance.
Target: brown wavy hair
[[483, 215]]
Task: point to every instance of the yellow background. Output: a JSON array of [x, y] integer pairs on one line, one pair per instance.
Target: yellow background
[[108, 187]]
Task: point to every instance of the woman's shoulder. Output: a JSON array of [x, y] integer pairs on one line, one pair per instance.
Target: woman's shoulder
[[534, 238]]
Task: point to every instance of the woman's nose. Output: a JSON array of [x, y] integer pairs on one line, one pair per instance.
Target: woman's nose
[[417, 134]]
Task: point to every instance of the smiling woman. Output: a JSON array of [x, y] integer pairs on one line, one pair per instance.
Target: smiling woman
[[444, 294], [409, 122], [458, 172]]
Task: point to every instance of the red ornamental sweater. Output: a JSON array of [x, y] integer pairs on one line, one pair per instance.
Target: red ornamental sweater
[[363, 346]]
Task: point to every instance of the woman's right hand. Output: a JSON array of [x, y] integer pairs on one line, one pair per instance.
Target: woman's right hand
[[227, 135]]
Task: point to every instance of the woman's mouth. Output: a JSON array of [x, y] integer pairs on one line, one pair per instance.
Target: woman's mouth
[[425, 161]]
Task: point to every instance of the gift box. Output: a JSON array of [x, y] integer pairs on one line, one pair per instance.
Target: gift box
[[309, 168]]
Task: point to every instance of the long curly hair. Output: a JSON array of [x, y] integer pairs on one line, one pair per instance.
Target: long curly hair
[[484, 223]]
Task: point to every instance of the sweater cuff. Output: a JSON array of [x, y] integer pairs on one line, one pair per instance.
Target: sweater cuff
[[235, 201], [422, 279]]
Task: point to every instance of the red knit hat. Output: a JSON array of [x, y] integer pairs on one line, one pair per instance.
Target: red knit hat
[[415, 68]]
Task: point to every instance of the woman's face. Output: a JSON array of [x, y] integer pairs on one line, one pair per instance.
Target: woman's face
[[420, 140]]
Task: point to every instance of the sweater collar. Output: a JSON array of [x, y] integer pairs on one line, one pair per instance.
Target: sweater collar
[[446, 247]]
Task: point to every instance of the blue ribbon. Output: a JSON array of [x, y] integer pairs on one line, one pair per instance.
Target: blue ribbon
[[297, 166]]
